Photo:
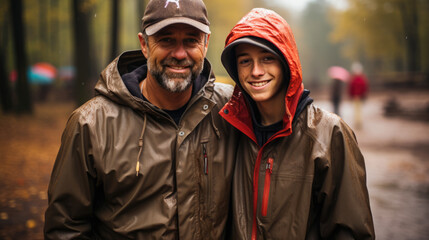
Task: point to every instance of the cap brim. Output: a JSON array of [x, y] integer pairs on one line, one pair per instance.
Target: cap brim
[[164, 23], [228, 55]]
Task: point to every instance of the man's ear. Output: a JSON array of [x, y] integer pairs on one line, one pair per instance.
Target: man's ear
[[206, 47], [143, 45]]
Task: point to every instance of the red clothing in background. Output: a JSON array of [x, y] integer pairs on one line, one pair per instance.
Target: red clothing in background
[[358, 86]]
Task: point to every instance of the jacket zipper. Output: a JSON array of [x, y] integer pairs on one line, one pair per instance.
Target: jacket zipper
[[266, 195], [207, 177], [255, 193], [206, 164]]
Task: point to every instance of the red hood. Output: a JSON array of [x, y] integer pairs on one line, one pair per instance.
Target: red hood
[[268, 25]]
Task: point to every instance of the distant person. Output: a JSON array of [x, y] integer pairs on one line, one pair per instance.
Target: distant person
[[336, 94], [149, 157], [299, 172], [358, 90], [339, 77]]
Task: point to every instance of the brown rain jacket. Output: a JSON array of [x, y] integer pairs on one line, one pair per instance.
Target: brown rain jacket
[[308, 180], [183, 185]]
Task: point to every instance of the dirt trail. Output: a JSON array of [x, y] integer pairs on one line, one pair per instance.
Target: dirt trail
[[28, 147], [396, 153]]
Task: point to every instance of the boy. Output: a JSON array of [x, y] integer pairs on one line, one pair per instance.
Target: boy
[[299, 172]]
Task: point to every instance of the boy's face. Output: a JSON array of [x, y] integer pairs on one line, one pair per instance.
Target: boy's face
[[260, 73]]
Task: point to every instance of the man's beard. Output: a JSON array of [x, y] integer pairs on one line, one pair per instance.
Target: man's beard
[[169, 80]]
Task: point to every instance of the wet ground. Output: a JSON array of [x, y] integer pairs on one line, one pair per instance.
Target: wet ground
[[396, 152]]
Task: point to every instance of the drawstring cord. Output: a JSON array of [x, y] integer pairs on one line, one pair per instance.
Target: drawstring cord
[[140, 145], [214, 126]]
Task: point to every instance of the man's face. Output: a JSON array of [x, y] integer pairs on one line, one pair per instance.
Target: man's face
[[260, 73], [175, 56]]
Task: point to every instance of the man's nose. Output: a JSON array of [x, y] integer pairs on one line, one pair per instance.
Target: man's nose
[[179, 52]]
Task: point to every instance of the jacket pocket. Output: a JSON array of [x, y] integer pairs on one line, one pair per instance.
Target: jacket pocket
[[267, 183], [206, 175]]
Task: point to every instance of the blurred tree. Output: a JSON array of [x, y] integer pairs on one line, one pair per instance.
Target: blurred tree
[[259, 4], [114, 29], [424, 36], [48, 25], [316, 50], [387, 32], [410, 24], [131, 15], [83, 58], [24, 104], [5, 89], [223, 15], [44, 27], [37, 22], [53, 32], [141, 5]]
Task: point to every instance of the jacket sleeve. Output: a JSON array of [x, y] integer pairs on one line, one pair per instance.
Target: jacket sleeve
[[345, 208], [71, 188]]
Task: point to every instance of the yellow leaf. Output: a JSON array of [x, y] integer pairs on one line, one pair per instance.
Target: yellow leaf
[[30, 223], [4, 216]]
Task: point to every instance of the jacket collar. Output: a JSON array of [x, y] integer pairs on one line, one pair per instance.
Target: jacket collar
[[132, 64]]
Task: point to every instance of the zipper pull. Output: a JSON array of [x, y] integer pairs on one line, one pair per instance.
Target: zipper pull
[[137, 168], [269, 165], [267, 183], [206, 165]]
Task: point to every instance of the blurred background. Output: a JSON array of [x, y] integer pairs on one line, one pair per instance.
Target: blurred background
[[52, 52]]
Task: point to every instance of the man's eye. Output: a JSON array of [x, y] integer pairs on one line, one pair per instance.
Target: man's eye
[[165, 40], [191, 41]]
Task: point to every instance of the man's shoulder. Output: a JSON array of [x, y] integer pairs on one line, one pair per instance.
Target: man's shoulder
[[95, 108], [316, 116], [320, 122], [223, 90]]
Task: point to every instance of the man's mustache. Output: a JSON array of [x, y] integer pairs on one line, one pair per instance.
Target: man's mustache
[[179, 63]]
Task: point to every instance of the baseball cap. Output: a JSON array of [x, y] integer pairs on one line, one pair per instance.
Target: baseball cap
[[161, 13]]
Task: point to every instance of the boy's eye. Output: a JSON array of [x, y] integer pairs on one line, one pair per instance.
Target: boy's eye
[[269, 59], [243, 61]]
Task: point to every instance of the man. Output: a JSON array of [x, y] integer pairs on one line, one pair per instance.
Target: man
[[148, 157], [299, 172]]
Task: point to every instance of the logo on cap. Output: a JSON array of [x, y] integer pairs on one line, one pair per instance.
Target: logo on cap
[[172, 1]]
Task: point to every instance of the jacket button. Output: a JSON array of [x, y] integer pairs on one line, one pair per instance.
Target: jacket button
[[205, 107], [225, 111], [181, 133]]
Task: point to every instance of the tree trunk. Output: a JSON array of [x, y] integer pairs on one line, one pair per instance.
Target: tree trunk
[[141, 5], [44, 23], [24, 104], [6, 98], [54, 30], [5, 90], [82, 57], [115, 31], [409, 15]]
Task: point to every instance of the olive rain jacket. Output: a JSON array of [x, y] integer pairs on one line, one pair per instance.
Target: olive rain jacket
[[308, 180], [125, 170]]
